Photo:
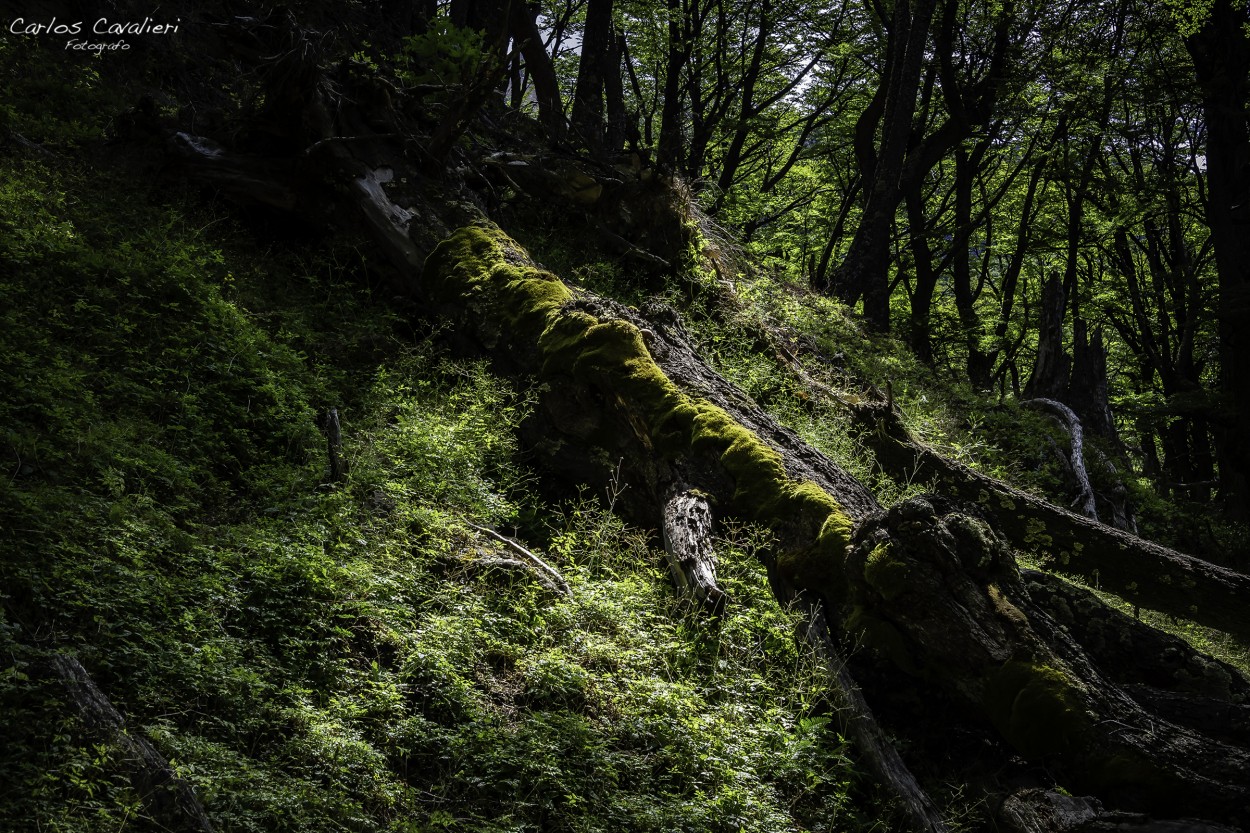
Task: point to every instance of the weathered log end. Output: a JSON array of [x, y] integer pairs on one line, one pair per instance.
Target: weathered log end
[[687, 532]]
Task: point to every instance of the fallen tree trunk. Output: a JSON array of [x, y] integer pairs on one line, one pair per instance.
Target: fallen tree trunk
[[934, 587], [605, 397], [1139, 571]]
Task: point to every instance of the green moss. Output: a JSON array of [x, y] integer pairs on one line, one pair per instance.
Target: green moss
[[471, 268], [759, 476], [884, 573], [1035, 534], [1036, 708]]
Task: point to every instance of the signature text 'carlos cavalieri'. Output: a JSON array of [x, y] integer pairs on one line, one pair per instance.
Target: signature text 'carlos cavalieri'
[[101, 27]]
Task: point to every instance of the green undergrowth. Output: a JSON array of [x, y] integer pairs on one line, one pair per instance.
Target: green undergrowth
[[982, 431], [339, 656]]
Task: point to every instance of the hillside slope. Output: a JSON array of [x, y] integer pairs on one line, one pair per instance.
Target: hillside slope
[[318, 652]]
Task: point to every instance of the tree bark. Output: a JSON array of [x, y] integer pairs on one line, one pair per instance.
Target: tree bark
[[687, 532], [1076, 437], [169, 800], [1221, 54], [1051, 369]]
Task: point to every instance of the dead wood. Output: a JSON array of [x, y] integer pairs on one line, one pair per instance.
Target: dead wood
[[550, 575], [169, 800], [1076, 458], [936, 589], [687, 533]]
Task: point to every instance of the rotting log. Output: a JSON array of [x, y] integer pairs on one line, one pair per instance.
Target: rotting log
[[1141, 572], [168, 799]]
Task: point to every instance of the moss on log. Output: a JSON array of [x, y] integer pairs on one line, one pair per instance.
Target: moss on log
[[481, 269]]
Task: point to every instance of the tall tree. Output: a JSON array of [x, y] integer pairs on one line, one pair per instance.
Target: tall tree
[[1220, 50], [598, 63], [864, 272]]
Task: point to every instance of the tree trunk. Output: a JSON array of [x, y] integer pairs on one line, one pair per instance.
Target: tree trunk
[[671, 152], [864, 272], [978, 363], [920, 336], [592, 71], [1087, 389], [169, 800], [1049, 379], [619, 127], [538, 64], [1221, 56]]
